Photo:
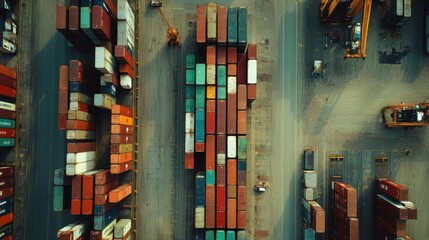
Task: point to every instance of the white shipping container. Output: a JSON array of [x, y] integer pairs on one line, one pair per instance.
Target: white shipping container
[[79, 115], [126, 81], [104, 100], [310, 179], [125, 12], [105, 67], [79, 135], [220, 158], [66, 228], [125, 34], [232, 85], [101, 54], [122, 228], [199, 217], [252, 72], [108, 78], [80, 157], [189, 142], [399, 7], [107, 232], [232, 147], [407, 8], [79, 168], [189, 123], [310, 194], [73, 106], [109, 237], [7, 106], [211, 74], [211, 21], [7, 46], [80, 97], [78, 230]]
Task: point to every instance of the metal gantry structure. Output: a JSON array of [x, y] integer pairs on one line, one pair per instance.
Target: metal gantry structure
[[406, 115]]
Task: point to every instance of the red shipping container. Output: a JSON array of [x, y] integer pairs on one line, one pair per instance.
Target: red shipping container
[[127, 69], [79, 106], [7, 171], [121, 129], [123, 56], [210, 152], [242, 97], [232, 55], [220, 144], [104, 177], [241, 198], [221, 117], [201, 23], [73, 22], [251, 52], [6, 182], [7, 91], [210, 122], [80, 147], [80, 125], [116, 138], [231, 216], [111, 5], [241, 69], [62, 121], [113, 78], [101, 23], [232, 69], [88, 184], [241, 219], [101, 199], [231, 172], [199, 147], [211, 105], [7, 114], [220, 174], [61, 19], [220, 197], [395, 227], [76, 206], [251, 92], [318, 218], [220, 219], [87, 206], [392, 189], [221, 55], [7, 81], [121, 157], [222, 16], [189, 160], [76, 71], [122, 110], [231, 191], [121, 167], [242, 122], [210, 217], [6, 192], [6, 219], [9, 72], [63, 101], [76, 187], [231, 123], [211, 54], [210, 195], [107, 187], [241, 177]]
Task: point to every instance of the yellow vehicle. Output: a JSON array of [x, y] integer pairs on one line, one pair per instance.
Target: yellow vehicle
[[356, 47], [406, 115], [173, 38]]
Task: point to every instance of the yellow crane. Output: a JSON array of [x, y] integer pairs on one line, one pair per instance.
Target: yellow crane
[[357, 45], [406, 115], [173, 37]]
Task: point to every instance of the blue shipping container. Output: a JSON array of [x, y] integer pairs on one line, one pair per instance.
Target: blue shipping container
[[200, 130], [200, 190]]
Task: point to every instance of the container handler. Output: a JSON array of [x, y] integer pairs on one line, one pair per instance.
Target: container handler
[[406, 115], [173, 38]]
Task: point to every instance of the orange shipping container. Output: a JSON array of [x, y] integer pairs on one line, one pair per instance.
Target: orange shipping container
[[231, 116], [121, 167], [80, 125], [210, 217], [231, 216], [119, 193], [241, 198], [241, 219], [7, 71], [210, 195], [221, 55], [121, 157], [126, 68], [210, 152], [123, 120], [121, 129], [222, 15], [115, 138], [201, 23], [189, 160], [210, 122], [232, 55], [232, 69], [251, 52], [231, 191], [242, 122], [211, 54], [242, 97], [211, 92], [87, 206], [121, 110], [199, 147], [231, 172], [251, 92], [7, 91]]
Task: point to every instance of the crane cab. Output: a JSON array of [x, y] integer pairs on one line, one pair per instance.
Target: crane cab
[[156, 3]]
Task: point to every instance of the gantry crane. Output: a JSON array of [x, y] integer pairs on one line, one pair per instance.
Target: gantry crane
[[359, 32], [173, 38], [344, 10], [406, 115]]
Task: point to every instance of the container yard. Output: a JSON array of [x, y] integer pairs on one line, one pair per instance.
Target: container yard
[[244, 119]]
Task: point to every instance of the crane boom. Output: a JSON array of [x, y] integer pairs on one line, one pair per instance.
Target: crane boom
[[364, 32], [355, 7], [164, 18]]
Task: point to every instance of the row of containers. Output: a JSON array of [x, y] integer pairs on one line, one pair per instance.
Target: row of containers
[[8, 27], [88, 104], [220, 83], [8, 85], [7, 177]]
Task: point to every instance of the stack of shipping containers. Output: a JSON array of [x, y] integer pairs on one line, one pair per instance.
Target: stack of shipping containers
[[310, 193], [8, 28], [225, 73], [392, 209], [344, 212], [7, 175], [88, 92]]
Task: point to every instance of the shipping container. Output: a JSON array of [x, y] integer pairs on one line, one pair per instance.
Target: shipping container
[[251, 92], [310, 194], [189, 122], [200, 97], [78, 125], [232, 69], [222, 16], [190, 105], [121, 129], [125, 33], [211, 74], [102, 221], [232, 26], [7, 106], [122, 110], [210, 152], [242, 28], [119, 138], [210, 196], [242, 97], [392, 189], [221, 93], [125, 12], [232, 85], [211, 55], [122, 120], [346, 204], [241, 219], [211, 22], [231, 124], [211, 92], [10, 82], [318, 217], [310, 179], [101, 23], [121, 167], [126, 69], [393, 208], [210, 177], [220, 197], [122, 55], [241, 68], [242, 122], [220, 144], [231, 172], [199, 217], [220, 174], [7, 114], [200, 72], [210, 122], [231, 191], [80, 157], [201, 24], [121, 157], [241, 198], [231, 216], [199, 126], [232, 55], [111, 78], [210, 234], [251, 52], [200, 187], [122, 228], [220, 220], [85, 24], [78, 168], [232, 147], [190, 61], [119, 193], [221, 75], [210, 217], [221, 55], [252, 72], [220, 235], [190, 76], [121, 148], [189, 160], [308, 233]]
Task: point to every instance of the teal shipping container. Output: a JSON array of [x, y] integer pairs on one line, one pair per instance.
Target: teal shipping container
[[200, 74], [85, 24], [200, 97], [308, 233], [190, 61], [242, 29], [221, 93], [220, 235], [7, 142], [190, 91], [230, 235], [200, 125], [232, 26], [242, 165], [210, 177], [210, 235], [190, 105], [190, 76], [200, 189], [58, 198], [7, 123], [221, 75], [241, 235], [242, 147]]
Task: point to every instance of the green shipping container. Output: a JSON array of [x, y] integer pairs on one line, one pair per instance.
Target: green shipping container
[[7, 142], [190, 105], [7, 123], [242, 147], [85, 17], [58, 198], [241, 235], [210, 235], [220, 235], [59, 176], [221, 75], [200, 97], [221, 92], [232, 26], [210, 177], [230, 235], [242, 28], [201, 74], [190, 61], [190, 76], [190, 91]]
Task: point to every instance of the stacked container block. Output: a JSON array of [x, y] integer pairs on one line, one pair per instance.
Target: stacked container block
[[121, 138], [190, 104], [7, 176], [221, 102], [7, 106], [8, 29], [344, 211]]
